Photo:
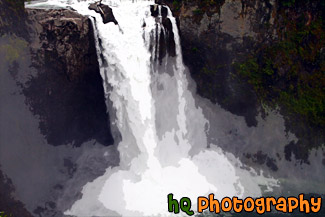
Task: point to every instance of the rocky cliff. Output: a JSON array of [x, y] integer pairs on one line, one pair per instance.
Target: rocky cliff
[[61, 80], [216, 34], [251, 56], [64, 54], [63, 86], [48, 65]]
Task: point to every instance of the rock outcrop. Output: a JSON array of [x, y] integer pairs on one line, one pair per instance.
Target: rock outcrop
[[51, 95], [166, 39], [67, 92], [105, 11], [227, 43], [62, 40], [214, 36], [51, 55]]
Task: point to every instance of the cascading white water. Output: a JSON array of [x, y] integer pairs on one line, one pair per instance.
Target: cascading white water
[[164, 143]]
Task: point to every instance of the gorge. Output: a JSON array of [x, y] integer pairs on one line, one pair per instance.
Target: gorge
[[118, 113]]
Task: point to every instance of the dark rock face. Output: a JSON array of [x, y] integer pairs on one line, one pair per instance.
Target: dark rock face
[[105, 11], [216, 37], [154, 10], [12, 17], [62, 41], [12, 26], [51, 101], [166, 42], [213, 38], [67, 92]]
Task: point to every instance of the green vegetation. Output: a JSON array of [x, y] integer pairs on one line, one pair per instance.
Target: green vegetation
[[299, 3], [177, 4], [195, 49], [198, 11], [288, 3], [13, 49], [291, 72]]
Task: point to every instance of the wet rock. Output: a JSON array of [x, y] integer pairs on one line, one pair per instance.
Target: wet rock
[[159, 2], [166, 43], [62, 40], [66, 92], [164, 12], [105, 11], [170, 41], [154, 10]]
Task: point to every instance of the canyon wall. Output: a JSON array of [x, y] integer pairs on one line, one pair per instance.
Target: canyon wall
[[251, 56], [49, 77]]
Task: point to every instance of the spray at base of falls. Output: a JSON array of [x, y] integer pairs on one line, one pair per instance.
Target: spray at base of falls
[[164, 142]]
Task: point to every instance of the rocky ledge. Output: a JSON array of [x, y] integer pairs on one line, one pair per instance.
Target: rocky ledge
[[67, 92], [105, 11]]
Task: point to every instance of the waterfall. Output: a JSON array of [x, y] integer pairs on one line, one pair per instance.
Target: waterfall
[[164, 146]]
